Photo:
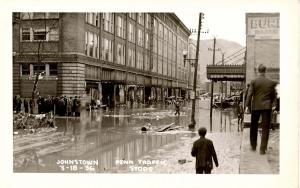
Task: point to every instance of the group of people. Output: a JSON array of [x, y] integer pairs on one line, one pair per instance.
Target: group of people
[[67, 106], [28, 104], [63, 106]]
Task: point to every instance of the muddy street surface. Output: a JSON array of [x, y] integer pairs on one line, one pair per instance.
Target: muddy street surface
[[111, 141]]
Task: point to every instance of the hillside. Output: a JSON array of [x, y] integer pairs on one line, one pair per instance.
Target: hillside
[[206, 56]]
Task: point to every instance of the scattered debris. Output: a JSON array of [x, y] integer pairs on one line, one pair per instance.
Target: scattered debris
[[30, 122], [182, 161], [163, 128], [146, 127]]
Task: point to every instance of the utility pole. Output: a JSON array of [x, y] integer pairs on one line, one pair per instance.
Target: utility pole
[[222, 89], [212, 87], [193, 121], [222, 85]]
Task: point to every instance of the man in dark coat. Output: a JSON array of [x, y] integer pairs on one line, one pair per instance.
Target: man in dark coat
[[25, 103], [204, 151], [77, 106], [261, 96], [19, 104], [31, 105]]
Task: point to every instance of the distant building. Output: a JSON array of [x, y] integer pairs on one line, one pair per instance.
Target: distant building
[[263, 44], [109, 56]]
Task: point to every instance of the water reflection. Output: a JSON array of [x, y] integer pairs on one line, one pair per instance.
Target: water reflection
[[107, 136]]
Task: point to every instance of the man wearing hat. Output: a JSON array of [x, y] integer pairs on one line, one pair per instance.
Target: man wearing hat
[[261, 97], [204, 151]]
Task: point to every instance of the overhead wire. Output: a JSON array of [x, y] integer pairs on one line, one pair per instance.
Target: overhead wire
[[236, 54]]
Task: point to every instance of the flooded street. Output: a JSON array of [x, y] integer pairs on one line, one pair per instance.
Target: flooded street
[[110, 141]]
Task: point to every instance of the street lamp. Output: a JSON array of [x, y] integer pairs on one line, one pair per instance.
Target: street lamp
[[193, 122]]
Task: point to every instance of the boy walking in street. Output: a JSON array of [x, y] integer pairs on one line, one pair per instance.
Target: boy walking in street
[[204, 151]]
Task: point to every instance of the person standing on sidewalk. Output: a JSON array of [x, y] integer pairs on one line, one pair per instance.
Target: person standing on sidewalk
[[261, 96], [203, 149]]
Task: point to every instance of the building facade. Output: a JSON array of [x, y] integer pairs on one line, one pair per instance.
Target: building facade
[[114, 57], [263, 44]]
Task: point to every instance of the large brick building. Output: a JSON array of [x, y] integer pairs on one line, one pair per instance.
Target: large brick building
[[110, 56], [263, 44]]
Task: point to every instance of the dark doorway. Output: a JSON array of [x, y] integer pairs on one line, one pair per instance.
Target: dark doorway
[[107, 94], [169, 92], [147, 94]]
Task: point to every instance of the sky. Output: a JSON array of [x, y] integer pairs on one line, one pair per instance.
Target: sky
[[229, 25]]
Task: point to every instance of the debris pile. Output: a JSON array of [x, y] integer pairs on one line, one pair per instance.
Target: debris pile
[[30, 122]]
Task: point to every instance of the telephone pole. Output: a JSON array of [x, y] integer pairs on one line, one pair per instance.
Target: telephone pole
[[193, 121], [212, 87]]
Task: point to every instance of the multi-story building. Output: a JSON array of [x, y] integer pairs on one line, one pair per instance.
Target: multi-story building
[[263, 44], [108, 56]]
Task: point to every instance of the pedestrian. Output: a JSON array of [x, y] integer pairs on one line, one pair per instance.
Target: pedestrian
[[261, 97], [246, 93], [204, 151], [55, 105], [240, 113], [74, 101], [131, 102], [31, 105], [43, 106], [15, 101], [39, 103], [19, 104], [77, 106], [69, 107], [177, 108], [25, 103], [49, 104], [66, 104], [61, 106], [98, 103]]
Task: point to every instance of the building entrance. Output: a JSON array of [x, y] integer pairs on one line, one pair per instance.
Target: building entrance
[[107, 93]]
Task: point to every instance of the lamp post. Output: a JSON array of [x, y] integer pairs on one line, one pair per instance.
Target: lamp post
[[193, 122]]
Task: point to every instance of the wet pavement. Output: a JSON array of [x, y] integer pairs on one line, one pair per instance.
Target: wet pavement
[[110, 141], [251, 162]]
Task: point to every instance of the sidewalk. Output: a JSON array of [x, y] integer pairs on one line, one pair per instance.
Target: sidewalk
[[251, 162]]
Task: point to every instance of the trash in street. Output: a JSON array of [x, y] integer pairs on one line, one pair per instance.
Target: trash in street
[[182, 161], [163, 128], [146, 127]]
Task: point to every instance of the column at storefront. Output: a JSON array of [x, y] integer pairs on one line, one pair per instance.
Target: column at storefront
[[166, 85], [122, 94], [153, 90], [119, 78], [71, 79], [139, 94], [140, 89], [159, 90], [147, 90], [130, 89]]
